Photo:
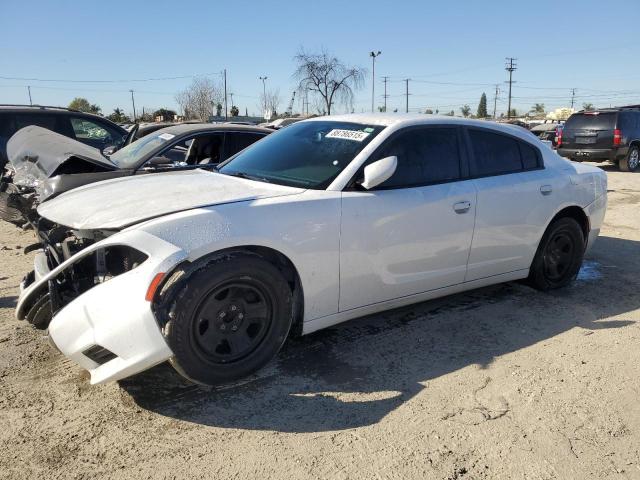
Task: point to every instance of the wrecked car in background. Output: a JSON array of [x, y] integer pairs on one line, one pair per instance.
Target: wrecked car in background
[[43, 164]]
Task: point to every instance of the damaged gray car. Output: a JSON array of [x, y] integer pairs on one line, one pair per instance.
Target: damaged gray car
[[43, 164]]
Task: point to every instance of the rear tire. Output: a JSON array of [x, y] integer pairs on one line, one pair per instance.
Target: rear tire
[[631, 162], [559, 255], [229, 319]]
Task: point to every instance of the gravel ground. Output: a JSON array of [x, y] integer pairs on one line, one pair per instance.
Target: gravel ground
[[503, 383]]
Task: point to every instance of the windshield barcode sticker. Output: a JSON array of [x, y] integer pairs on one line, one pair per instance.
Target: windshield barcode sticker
[[347, 135]]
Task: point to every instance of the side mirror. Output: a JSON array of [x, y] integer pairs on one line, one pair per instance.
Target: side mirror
[[379, 172], [110, 150], [157, 162]]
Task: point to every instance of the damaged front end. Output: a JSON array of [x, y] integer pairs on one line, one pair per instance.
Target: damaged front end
[[60, 244]]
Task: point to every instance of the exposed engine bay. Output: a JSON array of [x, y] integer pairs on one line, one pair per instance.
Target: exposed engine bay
[[59, 244]]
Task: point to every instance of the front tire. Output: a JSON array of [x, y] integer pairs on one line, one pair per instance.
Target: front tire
[[559, 255], [631, 162], [229, 319]]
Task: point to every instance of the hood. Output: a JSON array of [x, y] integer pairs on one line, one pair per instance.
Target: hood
[[35, 153], [118, 203]]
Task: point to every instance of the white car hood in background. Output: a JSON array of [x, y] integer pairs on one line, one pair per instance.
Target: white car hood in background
[[118, 203]]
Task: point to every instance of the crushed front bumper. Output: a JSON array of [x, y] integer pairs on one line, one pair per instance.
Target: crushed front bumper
[[110, 329]]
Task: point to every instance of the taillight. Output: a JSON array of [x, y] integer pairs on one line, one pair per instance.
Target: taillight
[[617, 137], [559, 137]]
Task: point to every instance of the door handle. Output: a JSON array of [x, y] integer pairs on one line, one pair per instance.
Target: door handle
[[546, 189], [462, 207]]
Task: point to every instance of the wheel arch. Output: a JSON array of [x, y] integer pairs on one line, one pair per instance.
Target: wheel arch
[[180, 274], [578, 214]]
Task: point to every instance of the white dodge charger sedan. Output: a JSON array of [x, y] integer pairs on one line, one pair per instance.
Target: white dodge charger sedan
[[323, 221]]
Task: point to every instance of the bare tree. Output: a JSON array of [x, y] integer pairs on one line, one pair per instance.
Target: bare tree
[[270, 101], [328, 77], [199, 98]]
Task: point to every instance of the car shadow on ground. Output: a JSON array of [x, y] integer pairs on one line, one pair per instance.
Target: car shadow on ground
[[354, 374]]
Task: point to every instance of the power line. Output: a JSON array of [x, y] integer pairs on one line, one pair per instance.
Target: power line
[[58, 80]]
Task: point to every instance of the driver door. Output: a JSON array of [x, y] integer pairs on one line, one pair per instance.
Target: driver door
[[413, 233]]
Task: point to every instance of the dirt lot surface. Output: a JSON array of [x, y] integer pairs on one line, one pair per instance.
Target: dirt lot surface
[[503, 382]]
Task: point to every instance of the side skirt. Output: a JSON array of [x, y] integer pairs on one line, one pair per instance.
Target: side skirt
[[324, 322]]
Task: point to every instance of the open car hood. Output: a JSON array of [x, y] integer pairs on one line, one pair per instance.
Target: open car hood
[[35, 154], [121, 202]]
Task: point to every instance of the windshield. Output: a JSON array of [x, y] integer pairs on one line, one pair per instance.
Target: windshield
[[130, 156], [306, 154]]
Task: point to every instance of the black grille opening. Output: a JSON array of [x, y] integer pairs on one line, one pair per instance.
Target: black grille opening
[[99, 354]]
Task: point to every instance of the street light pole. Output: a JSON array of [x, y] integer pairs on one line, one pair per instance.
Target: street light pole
[[133, 102], [264, 93], [373, 56]]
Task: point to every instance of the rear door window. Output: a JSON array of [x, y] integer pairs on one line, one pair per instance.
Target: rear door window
[[494, 154], [45, 121], [425, 156], [497, 154]]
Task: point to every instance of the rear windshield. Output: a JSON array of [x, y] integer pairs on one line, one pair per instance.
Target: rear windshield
[[591, 121]]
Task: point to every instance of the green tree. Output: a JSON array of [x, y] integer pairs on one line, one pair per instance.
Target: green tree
[[514, 113], [83, 105], [588, 106], [450, 114], [165, 113], [118, 116], [218, 109], [538, 109], [482, 106], [428, 111], [465, 110], [234, 111]]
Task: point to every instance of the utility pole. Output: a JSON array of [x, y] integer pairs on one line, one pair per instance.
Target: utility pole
[[226, 117], [29, 89], [373, 56], [573, 96], [385, 96], [406, 81], [264, 94], [495, 101], [510, 67], [133, 102]]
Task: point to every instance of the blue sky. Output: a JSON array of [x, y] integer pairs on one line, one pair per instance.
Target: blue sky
[[452, 51]]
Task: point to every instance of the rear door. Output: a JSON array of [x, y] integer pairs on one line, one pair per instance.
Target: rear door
[[411, 234], [516, 198], [589, 130]]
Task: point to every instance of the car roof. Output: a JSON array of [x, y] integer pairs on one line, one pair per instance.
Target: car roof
[[52, 110], [408, 119], [183, 128]]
